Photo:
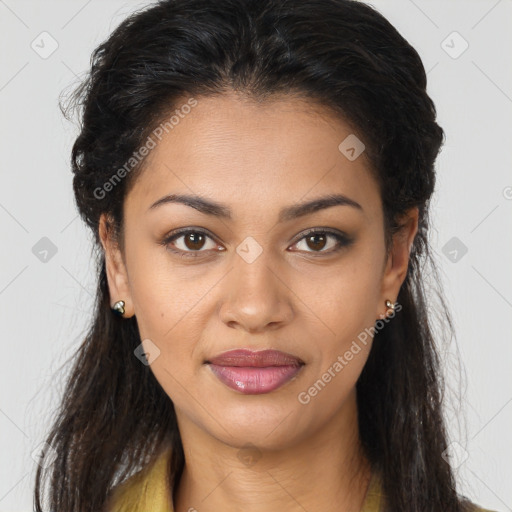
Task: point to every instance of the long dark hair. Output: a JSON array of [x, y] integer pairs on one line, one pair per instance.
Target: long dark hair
[[114, 417]]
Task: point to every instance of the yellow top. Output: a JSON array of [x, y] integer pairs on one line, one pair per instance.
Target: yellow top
[[149, 491]]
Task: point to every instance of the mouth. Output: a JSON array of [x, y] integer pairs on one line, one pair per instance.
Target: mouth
[[253, 373]]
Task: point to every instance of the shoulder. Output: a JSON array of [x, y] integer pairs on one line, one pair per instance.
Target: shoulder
[[126, 496], [473, 507], [376, 501], [476, 508], [146, 490]]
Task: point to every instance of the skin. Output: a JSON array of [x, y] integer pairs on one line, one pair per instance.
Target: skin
[[296, 296]]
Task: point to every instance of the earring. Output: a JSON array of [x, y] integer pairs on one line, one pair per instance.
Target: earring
[[118, 308], [389, 305]]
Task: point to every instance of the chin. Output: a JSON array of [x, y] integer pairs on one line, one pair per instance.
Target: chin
[[270, 426]]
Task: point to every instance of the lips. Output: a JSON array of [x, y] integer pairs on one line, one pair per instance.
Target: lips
[[255, 372], [258, 359]]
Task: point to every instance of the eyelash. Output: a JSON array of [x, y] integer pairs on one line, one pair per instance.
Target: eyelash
[[341, 239]]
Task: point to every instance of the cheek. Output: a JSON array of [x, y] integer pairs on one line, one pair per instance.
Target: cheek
[[160, 292], [170, 313], [347, 313], [344, 298], [346, 301]]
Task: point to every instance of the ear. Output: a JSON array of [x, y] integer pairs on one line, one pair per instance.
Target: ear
[[117, 275], [398, 259]]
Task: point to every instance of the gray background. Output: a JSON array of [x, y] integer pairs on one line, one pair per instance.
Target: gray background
[[46, 298]]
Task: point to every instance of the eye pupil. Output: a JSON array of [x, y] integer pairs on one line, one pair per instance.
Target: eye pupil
[[196, 238], [315, 237]]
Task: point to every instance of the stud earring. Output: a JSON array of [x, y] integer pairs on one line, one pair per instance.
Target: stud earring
[[390, 306], [118, 308]]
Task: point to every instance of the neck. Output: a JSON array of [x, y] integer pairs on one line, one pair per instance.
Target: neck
[[326, 471]]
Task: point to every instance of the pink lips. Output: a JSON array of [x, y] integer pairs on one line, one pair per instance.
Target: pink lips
[[253, 373]]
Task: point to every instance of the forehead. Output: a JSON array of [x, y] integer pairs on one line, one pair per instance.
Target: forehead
[[248, 155]]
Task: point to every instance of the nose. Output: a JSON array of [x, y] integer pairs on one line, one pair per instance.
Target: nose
[[256, 296]]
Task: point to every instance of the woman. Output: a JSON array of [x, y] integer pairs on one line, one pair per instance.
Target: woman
[[257, 176]]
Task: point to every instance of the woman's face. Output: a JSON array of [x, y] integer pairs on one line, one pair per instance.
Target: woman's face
[[253, 278]]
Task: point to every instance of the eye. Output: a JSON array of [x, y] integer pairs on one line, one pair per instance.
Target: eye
[[188, 242], [318, 238]]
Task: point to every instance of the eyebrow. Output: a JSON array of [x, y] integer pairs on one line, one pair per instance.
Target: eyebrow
[[209, 207]]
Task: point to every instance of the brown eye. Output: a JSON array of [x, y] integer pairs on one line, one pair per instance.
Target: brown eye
[[317, 240], [194, 241], [189, 242]]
